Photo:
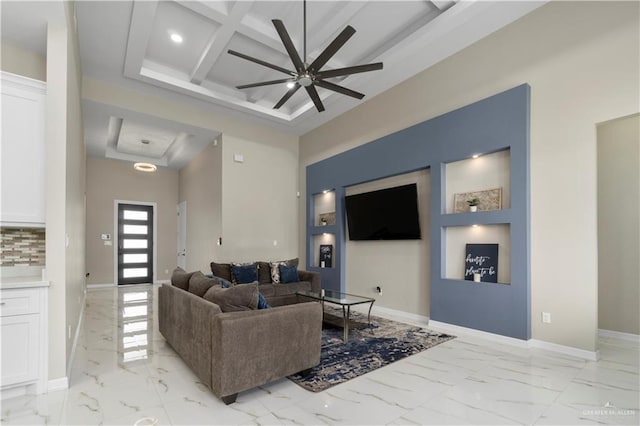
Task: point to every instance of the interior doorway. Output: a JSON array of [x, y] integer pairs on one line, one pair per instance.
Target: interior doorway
[[135, 243]]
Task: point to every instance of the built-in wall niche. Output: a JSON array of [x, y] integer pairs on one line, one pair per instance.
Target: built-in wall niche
[[457, 238], [483, 176], [324, 208], [324, 249]]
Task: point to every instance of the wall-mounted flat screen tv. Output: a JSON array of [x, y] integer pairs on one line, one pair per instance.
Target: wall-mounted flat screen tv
[[387, 214]]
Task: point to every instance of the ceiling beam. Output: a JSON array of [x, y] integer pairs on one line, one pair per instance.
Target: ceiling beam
[[219, 41], [142, 19]]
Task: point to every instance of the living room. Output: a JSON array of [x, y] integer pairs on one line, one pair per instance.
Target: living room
[[258, 206]]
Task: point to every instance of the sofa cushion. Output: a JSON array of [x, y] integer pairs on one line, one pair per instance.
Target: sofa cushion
[[180, 278], [264, 273], [291, 288], [237, 298], [199, 284], [288, 274], [275, 268], [222, 270], [267, 290], [244, 273]]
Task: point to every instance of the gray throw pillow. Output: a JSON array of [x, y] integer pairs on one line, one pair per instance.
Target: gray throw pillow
[[222, 270], [238, 298], [199, 284], [264, 273], [180, 278]]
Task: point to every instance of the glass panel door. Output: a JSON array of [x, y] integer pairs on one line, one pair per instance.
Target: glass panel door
[[135, 244]]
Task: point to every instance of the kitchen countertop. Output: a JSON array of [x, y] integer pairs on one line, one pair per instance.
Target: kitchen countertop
[[23, 282]]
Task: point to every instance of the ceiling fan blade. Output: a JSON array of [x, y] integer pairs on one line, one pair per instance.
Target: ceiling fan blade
[[349, 70], [265, 83], [339, 89], [288, 44], [258, 61], [313, 93], [331, 50], [286, 96]]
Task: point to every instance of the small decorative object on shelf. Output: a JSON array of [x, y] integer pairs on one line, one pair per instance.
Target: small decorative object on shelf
[[481, 260], [490, 199], [326, 255], [473, 204], [327, 218]]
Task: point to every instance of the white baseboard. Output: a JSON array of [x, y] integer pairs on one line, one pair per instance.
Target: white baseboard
[[98, 286], [60, 383], [565, 350], [456, 329], [619, 335], [76, 336]]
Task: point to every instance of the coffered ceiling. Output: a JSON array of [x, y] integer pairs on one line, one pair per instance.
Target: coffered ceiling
[[128, 44], [132, 40]]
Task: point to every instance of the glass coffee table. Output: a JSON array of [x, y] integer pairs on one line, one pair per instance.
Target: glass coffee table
[[344, 300]]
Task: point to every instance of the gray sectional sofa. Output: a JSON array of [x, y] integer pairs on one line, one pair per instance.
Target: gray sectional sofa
[[244, 347]]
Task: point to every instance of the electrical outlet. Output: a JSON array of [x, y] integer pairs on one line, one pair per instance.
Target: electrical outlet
[[166, 271], [546, 317]]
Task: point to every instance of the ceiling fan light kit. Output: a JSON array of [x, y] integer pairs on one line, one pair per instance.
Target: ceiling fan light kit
[[305, 75]]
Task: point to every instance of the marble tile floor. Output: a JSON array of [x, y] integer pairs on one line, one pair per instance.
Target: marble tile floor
[[124, 371]]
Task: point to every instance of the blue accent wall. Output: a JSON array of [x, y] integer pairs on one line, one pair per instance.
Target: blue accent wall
[[492, 124]]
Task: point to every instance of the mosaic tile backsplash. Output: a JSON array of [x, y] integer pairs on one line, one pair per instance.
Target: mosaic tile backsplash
[[22, 246]]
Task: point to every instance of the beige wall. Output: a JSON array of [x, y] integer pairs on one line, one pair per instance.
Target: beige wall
[[619, 225], [16, 60], [258, 196], [259, 203], [110, 180], [400, 268], [581, 60], [65, 189], [201, 188]]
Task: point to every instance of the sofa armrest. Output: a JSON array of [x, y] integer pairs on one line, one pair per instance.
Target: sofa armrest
[[312, 277], [251, 348]]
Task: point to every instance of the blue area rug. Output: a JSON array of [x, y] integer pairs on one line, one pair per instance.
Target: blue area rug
[[369, 347]]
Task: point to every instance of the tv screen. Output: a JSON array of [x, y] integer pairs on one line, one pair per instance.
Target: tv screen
[[387, 214]]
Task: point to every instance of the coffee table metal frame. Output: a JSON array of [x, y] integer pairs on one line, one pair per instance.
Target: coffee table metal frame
[[344, 300]]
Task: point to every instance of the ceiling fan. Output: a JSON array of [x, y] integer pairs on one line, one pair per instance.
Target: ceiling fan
[[309, 75]]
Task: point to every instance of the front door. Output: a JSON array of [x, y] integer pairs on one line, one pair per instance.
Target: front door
[[135, 244]]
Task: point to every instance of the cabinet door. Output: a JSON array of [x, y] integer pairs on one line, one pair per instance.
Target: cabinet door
[[22, 150], [20, 341]]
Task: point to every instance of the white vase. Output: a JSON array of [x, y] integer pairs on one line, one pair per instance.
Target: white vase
[[473, 208]]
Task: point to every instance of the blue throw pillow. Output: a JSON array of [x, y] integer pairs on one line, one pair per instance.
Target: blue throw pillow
[[244, 274], [262, 302], [288, 274], [224, 283]]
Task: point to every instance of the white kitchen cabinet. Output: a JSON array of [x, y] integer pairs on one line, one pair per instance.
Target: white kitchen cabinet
[[23, 333], [22, 151]]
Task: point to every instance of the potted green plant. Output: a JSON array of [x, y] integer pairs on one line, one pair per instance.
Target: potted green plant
[[473, 204]]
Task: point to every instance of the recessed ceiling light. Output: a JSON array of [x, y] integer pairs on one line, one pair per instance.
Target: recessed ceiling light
[[475, 156], [145, 167], [176, 38]]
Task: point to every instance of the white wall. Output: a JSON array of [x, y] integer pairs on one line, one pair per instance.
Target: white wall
[[401, 268], [65, 189], [581, 60], [619, 225]]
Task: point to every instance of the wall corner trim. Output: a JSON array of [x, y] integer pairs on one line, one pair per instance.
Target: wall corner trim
[[60, 383], [565, 350], [619, 335]]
